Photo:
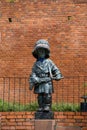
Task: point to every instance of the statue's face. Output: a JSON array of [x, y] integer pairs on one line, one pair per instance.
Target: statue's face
[[41, 53]]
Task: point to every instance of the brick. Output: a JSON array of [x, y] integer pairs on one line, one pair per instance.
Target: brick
[[69, 113], [85, 120], [11, 123], [30, 116], [12, 128], [20, 116], [11, 113], [30, 128], [60, 113], [20, 113], [5, 113], [78, 114], [12, 120], [84, 113], [11, 116], [20, 127], [70, 117], [70, 120], [84, 128], [3, 117], [20, 123], [62, 124], [5, 128], [68, 128], [20, 120], [62, 117], [78, 117], [27, 123]]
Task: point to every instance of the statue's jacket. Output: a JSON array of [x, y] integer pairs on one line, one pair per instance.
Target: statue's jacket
[[42, 75]]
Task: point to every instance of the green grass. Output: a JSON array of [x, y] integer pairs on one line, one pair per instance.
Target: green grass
[[5, 106], [65, 107]]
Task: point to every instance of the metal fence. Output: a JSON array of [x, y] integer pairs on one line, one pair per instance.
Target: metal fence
[[15, 93]]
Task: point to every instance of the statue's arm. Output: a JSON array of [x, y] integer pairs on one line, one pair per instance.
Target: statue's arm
[[56, 73], [32, 78]]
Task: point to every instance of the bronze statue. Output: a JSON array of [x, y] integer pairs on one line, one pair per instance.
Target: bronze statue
[[43, 72]]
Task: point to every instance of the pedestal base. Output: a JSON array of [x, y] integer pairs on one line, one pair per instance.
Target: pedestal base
[[44, 124], [44, 115]]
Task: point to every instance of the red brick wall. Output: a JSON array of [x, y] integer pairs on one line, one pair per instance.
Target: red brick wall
[[62, 22], [25, 120]]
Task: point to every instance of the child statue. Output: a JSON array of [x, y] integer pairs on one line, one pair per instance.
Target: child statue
[[43, 72]]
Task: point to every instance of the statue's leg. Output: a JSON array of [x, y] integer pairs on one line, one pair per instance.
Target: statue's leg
[[47, 102], [40, 101]]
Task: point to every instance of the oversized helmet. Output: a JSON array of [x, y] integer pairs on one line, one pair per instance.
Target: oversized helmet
[[41, 44]]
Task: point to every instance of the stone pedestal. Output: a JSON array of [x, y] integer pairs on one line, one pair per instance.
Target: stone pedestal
[[44, 115], [44, 124]]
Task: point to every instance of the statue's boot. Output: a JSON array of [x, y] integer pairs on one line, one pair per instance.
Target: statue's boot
[[47, 108], [47, 102]]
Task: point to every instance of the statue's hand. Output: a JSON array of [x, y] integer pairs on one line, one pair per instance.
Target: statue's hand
[[31, 86], [57, 78]]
